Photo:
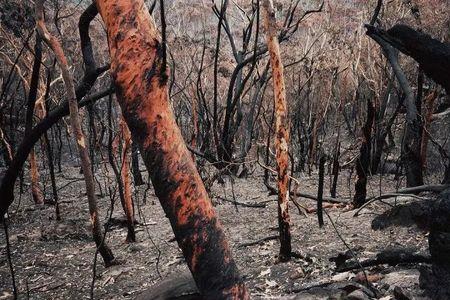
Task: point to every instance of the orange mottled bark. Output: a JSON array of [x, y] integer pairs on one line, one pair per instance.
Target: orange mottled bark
[[126, 179], [281, 131], [56, 47], [141, 85]]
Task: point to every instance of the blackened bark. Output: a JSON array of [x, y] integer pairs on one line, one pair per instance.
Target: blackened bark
[[411, 142], [90, 76], [13, 171], [142, 92], [363, 161], [137, 176], [320, 190], [335, 170], [432, 55], [439, 243]]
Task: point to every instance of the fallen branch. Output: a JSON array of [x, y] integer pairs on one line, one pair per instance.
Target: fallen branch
[[390, 257], [260, 241], [325, 199], [406, 192], [254, 205]]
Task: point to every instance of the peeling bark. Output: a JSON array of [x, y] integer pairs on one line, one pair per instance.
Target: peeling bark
[[281, 132], [141, 84]]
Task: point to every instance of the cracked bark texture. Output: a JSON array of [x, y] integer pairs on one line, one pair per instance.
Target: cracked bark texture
[[142, 90]]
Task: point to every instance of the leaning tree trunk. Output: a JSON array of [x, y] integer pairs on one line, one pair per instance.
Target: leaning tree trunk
[[56, 47], [138, 67], [281, 132]]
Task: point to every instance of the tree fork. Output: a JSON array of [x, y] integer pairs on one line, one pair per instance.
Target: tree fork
[[141, 85]]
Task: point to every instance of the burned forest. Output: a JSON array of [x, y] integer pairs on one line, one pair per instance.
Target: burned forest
[[217, 149]]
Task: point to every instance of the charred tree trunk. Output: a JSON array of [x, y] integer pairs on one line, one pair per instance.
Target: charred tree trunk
[[137, 176], [436, 280], [432, 55], [49, 149], [412, 140], [12, 173], [36, 192], [320, 190], [139, 70], [363, 161], [281, 132], [429, 110], [54, 44], [336, 166]]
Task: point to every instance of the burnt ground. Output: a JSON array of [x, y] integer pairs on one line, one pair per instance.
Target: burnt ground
[[54, 260]]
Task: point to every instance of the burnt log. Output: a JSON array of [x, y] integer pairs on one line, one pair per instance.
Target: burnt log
[[432, 55], [390, 257]]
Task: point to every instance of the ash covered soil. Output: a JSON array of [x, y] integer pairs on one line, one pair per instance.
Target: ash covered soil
[[54, 259]]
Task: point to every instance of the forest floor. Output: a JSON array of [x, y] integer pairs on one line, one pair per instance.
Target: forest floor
[[54, 259]]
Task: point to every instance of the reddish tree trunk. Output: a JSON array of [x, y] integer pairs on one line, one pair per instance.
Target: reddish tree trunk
[[126, 180], [281, 132], [140, 75]]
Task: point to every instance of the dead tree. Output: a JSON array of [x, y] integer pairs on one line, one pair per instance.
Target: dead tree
[[427, 120], [323, 159], [281, 131], [436, 280], [432, 55], [412, 138], [363, 161], [56, 47], [91, 74], [140, 73], [36, 192]]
